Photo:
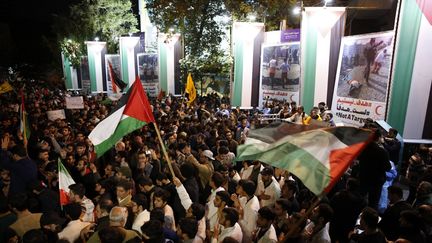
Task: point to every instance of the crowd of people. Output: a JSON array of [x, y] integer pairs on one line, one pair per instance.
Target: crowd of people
[[130, 195]]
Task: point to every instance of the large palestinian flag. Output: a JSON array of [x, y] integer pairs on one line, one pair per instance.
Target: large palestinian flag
[[318, 157], [132, 113]]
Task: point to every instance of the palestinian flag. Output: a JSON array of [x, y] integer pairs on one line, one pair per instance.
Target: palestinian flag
[[116, 82], [132, 113], [65, 180], [318, 157]]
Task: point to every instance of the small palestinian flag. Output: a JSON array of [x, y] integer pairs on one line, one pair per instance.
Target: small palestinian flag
[[116, 82], [318, 157], [65, 180], [132, 113]]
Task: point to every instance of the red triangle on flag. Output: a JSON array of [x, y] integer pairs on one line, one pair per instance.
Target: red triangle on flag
[[138, 105]]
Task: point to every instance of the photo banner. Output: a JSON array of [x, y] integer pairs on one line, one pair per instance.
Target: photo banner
[[115, 62], [362, 80], [85, 75], [280, 72], [148, 70]]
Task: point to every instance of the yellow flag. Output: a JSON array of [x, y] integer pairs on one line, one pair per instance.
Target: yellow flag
[[190, 89], [5, 87]]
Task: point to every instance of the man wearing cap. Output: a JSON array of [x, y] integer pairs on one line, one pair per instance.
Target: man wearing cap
[[268, 189], [204, 166]]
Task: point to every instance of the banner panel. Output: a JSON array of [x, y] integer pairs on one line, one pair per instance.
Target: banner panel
[[148, 71], [115, 62], [280, 72], [85, 75], [76, 102], [362, 79]]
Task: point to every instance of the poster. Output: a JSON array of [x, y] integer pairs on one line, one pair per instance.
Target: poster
[[76, 102], [362, 79], [148, 71], [213, 84], [280, 72], [56, 114], [85, 75], [115, 62]]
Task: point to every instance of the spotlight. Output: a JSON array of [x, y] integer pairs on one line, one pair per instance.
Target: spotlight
[[96, 39], [296, 10]]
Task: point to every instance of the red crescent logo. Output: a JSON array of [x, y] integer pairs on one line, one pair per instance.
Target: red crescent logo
[[376, 110]]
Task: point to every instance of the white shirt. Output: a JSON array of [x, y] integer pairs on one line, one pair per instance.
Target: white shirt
[[273, 190], [72, 231], [250, 215], [269, 236], [140, 219], [212, 211], [89, 209], [201, 233], [321, 236], [235, 232]]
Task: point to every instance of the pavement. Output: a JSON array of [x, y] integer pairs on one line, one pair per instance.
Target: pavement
[[375, 89]]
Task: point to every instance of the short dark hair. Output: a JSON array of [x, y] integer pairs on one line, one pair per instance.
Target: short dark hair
[[161, 193], [73, 210], [158, 214], [141, 200], [34, 236], [248, 186], [225, 197], [18, 201], [144, 181], [223, 150], [218, 179], [106, 205], [198, 210], [370, 217], [284, 203], [125, 184], [231, 214], [19, 150], [78, 189], [325, 211], [267, 213], [189, 226], [153, 230], [292, 185], [111, 234], [395, 190], [187, 170]]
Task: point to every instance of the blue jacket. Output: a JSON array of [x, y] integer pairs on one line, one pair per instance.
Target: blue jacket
[[22, 172]]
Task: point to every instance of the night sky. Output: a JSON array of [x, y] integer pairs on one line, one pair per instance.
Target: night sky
[[25, 30]]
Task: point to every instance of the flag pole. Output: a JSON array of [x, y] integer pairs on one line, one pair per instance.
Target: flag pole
[[305, 215], [163, 149]]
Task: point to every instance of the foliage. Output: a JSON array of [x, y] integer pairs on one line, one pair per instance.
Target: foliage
[[105, 19], [72, 50], [197, 21]]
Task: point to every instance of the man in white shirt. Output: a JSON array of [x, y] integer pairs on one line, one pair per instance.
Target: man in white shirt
[[317, 231], [268, 189], [139, 205], [72, 231], [228, 226], [77, 194], [248, 205], [216, 183], [266, 233]]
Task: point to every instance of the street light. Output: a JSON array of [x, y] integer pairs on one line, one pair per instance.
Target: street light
[[296, 10], [326, 1], [96, 39]]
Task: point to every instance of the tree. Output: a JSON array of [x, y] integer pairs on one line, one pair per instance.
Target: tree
[[88, 19]]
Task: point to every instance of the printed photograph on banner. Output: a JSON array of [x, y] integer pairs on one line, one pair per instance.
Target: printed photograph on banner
[[116, 67], [362, 78], [148, 70], [85, 75], [280, 72], [213, 84]]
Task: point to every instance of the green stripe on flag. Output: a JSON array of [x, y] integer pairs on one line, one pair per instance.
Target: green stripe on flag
[[290, 157], [238, 74], [404, 63], [125, 127], [309, 69]]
